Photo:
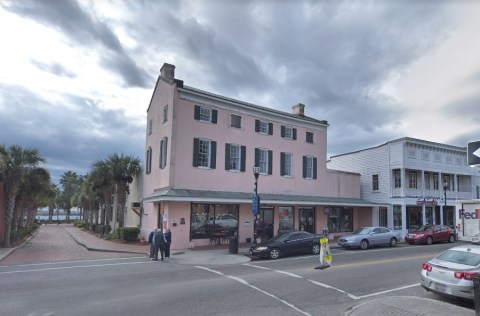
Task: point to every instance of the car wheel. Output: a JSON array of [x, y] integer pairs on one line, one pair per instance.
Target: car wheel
[[429, 240], [393, 242], [274, 253], [451, 239], [316, 249], [364, 244]]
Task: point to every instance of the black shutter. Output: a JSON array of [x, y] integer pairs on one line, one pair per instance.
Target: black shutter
[[282, 131], [270, 161], [243, 155], [213, 155], [257, 157], [294, 134], [314, 168], [270, 128], [282, 163], [196, 149], [304, 167], [257, 126], [197, 113], [161, 156], [227, 156], [214, 116], [165, 143]]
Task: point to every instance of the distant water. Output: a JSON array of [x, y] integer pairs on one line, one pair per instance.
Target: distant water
[[55, 217]]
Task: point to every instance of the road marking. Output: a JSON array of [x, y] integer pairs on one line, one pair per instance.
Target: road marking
[[333, 288], [255, 288], [366, 263], [72, 267], [62, 262], [392, 290]]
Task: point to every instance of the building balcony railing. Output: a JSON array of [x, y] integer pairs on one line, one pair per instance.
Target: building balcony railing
[[419, 193]]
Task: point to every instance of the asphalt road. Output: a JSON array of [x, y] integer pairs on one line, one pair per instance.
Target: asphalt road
[[288, 286]]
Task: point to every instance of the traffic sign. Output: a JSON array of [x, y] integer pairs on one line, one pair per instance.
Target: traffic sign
[[473, 153]]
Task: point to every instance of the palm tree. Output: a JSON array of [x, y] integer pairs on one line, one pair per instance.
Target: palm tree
[[70, 182], [15, 161], [123, 169], [101, 181]]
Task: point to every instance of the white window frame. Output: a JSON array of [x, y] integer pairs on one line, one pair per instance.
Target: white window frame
[[205, 114], [437, 158], [204, 152], [288, 132], [263, 127], [448, 159], [263, 160], [412, 153], [425, 155], [375, 182], [309, 167], [288, 165], [235, 157], [150, 126], [163, 152], [398, 178], [426, 180], [412, 180]]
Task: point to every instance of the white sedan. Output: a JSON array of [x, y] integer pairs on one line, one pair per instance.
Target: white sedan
[[451, 273]]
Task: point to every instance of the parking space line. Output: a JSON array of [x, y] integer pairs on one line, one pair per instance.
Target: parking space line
[[388, 291], [245, 282]]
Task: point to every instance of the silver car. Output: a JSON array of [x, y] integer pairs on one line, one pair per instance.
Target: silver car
[[451, 273], [370, 236]]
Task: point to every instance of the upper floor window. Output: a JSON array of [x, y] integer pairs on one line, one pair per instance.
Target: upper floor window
[[165, 113], [263, 159], [398, 179], [204, 114], [412, 181], [204, 153], [427, 181], [448, 159], [437, 158], [263, 127], [235, 157], [286, 162], [309, 167], [412, 153], [236, 121], [425, 155], [288, 132], [309, 137], [435, 181], [150, 126], [148, 161], [375, 182], [459, 161], [163, 152]]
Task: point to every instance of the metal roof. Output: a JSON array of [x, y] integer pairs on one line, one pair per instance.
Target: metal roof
[[185, 195]]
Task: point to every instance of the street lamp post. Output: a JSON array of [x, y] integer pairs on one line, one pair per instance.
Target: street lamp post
[[445, 186], [255, 203]]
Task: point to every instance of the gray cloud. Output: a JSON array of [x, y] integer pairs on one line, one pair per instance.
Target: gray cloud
[[68, 17], [54, 68]]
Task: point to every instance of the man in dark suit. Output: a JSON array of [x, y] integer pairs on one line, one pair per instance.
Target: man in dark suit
[[159, 243], [168, 237], [150, 241]]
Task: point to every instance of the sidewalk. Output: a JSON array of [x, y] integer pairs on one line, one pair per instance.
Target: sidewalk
[[212, 255]]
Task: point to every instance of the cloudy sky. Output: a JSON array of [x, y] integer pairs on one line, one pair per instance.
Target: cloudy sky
[[76, 76]]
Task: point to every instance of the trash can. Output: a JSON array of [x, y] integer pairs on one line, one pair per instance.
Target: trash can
[[233, 245]]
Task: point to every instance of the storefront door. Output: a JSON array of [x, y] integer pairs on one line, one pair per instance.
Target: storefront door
[[307, 220], [264, 225]]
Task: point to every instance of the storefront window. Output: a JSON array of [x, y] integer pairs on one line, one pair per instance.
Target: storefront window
[[340, 219], [414, 217], [285, 218], [382, 217], [429, 215], [397, 217], [213, 221]]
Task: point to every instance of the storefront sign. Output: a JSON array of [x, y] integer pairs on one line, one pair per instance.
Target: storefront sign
[[427, 201], [469, 215]]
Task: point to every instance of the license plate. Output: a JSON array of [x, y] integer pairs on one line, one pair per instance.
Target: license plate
[[440, 287], [411, 236]]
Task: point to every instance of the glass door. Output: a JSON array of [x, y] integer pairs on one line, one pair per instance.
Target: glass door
[[264, 227], [307, 220]]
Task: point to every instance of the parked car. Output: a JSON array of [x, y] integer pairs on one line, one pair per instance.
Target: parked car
[[370, 236], [296, 242], [428, 234], [451, 273]]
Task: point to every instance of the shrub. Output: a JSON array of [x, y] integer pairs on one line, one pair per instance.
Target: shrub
[[129, 233]]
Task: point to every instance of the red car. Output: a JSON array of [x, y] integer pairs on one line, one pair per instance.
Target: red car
[[428, 234]]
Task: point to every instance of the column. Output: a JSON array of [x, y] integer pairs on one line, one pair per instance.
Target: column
[[402, 181], [404, 219], [441, 214], [424, 217]]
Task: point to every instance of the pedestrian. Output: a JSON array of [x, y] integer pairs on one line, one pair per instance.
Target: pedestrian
[[150, 241], [168, 237], [159, 243]]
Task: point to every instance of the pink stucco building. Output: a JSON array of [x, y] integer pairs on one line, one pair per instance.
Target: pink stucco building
[[200, 152]]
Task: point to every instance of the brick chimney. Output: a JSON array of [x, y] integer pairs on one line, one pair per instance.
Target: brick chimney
[[299, 109], [167, 71]]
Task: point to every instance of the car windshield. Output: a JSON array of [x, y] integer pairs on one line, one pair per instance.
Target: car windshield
[[425, 229], [462, 257], [362, 231], [278, 237]]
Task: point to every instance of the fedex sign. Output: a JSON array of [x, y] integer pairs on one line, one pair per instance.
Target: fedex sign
[[469, 215]]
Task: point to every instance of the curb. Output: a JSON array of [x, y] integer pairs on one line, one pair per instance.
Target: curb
[[11, 250], [103, 250]]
